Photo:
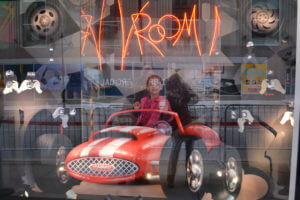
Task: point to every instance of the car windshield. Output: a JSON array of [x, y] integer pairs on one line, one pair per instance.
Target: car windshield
[[123, 119]]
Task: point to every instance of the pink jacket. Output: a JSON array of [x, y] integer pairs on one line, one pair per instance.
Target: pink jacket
[[150, 118]]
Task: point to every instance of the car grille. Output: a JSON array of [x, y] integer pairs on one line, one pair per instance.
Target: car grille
[[119, 167]]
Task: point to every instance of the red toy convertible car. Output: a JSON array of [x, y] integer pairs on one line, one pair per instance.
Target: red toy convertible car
[[188, 161]]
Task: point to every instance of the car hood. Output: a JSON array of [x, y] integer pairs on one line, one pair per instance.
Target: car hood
[[106, 146], [139, 132]]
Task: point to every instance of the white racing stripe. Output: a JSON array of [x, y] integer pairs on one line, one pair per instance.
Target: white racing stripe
[[110, 148], [88, 148], [107, 129], [145, 130], [128, 129]]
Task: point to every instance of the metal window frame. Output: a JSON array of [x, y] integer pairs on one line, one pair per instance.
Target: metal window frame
[[294, 157]]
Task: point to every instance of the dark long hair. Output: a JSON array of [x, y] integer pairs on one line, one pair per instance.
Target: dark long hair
[[179, 97]]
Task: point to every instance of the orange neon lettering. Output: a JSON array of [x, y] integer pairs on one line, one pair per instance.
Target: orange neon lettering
[[189, 28], [137, 32], [90, 31], [125, 49], [84, 38], [100, 34], [86, 33], [216, 32], [122, 29], [177, 21], [162, 35], [189, 25], [159, 51]]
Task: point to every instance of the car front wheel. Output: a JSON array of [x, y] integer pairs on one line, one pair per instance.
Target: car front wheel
[[184, 170], [49, 172], [228, 179]]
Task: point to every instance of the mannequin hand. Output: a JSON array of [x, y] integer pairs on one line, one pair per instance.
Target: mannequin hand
[[264, 85], [25, 85], [58, 111], [15, 86], [10, 86], [37, 86], [288, 115], [276, 85], [241, 122], [246, 114]]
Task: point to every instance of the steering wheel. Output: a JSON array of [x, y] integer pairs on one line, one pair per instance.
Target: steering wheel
[[164, 127]]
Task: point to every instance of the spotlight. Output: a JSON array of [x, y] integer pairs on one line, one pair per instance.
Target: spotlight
[[26, 194], [152, 177], [235, 180]]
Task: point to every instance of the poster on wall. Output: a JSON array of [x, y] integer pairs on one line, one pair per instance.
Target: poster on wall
[[252, 76]]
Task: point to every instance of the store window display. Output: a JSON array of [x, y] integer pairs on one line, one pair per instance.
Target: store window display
[[164, 99]]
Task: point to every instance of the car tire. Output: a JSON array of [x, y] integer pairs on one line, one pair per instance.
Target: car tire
[[176, 161], [45, 20], [227, 180], [48, 172]]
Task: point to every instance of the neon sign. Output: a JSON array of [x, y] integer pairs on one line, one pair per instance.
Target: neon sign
[[145, 33]]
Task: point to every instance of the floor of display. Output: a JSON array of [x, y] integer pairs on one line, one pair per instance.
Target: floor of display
[[253, 187]]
